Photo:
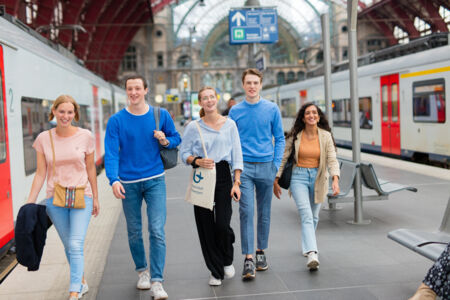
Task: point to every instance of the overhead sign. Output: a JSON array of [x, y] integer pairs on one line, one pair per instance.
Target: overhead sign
[[253, 25]]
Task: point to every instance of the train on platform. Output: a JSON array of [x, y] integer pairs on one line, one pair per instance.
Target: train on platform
[[402, 102], [34, 72]]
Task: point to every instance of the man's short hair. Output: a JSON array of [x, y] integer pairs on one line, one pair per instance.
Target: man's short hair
[[252, 71], [136, 76]]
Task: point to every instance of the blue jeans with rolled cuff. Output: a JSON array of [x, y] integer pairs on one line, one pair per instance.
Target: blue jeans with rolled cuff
[[71, 225], [302, 189], [153, 192]]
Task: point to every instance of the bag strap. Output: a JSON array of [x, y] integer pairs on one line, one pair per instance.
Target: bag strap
[[156, 113], [53, 152], [291, 156], [201, 137]]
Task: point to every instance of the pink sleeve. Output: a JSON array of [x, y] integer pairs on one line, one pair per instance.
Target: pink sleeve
[[91, 144], [37, 145]]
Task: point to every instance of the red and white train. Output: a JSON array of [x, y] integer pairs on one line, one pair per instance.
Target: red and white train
[[402, 103], [33, 72]]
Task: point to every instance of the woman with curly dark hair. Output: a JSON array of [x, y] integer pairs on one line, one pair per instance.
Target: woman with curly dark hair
[[315, 156]]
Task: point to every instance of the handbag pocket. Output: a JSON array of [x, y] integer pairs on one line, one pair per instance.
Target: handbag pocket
[[69, 197]]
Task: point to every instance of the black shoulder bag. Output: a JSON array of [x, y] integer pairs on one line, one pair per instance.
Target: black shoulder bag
[[285, 179], [169, 157]]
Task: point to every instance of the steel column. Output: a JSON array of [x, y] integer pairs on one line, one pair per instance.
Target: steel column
[[352, 7]]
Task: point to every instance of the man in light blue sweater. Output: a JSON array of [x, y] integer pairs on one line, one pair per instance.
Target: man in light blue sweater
[[135, 171], [259, 124]]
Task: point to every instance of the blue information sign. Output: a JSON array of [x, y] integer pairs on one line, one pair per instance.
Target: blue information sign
[[253, 26]]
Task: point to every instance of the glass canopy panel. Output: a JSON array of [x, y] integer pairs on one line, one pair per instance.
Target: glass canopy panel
[[303, 16]]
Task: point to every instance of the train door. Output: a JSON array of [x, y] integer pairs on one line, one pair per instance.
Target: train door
[[6, 207], [390, 114]]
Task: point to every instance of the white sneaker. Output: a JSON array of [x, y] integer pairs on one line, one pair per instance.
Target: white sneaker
[[229, 271], [84, 290], [313, 261], [144, 280], [214, 281], [158, 291]]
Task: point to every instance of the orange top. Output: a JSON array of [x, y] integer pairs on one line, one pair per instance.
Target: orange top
[[309, 153]]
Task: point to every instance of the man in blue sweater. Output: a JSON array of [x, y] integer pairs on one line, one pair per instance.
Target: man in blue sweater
[[259, 124], [135, 171]]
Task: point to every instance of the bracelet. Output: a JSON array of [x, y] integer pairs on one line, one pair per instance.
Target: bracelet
[[193, 164], [238, 182]]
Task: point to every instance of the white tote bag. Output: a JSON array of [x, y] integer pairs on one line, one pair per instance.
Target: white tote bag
[[202, 183]]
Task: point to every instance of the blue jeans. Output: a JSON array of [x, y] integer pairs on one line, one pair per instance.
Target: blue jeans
[[153, 191], [302, 189], [259, 177], [71, 225]]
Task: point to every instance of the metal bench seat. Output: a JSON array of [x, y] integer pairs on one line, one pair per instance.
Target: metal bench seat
[[428, 244], [348, 172], [382, 187]]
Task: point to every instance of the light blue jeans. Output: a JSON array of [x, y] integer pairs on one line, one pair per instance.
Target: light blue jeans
[[259, 177], [71, 225], [153, 191], [302, 189]]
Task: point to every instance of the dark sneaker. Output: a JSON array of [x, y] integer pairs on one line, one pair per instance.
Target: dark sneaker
[[249, 270], [261, 262]]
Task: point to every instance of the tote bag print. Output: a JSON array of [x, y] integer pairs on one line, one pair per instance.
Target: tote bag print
[[202, 186], [202, 183]]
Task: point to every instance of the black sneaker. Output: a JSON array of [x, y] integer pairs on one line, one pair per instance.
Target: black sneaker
[[261, 262], [249, 269]]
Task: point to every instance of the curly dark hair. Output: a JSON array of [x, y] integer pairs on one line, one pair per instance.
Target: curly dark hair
[[299, 124]]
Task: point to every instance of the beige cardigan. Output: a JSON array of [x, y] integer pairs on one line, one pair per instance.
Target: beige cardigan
[[327, 160]]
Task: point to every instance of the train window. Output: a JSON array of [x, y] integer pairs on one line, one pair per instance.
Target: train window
[[288, 108], [34, 120], [35, 113], [107, 111], [342, 113], [2, 124], [384, 102], [394, 99], [429, 101]]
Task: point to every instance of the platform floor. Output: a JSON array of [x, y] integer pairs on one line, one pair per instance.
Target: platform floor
[[357, 261]]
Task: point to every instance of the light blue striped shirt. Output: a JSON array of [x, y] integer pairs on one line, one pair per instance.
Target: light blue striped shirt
[[220, 145]]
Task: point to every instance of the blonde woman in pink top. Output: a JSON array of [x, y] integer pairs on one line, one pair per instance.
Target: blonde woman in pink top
[[74, 166]]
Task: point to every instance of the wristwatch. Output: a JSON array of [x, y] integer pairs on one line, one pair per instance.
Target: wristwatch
[[238, 182], [193, 164]]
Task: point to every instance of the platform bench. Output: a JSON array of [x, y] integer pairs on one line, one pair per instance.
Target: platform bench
[[369, 179], [428, 244]]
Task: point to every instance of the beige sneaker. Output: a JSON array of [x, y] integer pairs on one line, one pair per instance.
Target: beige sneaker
[[313, 261], [84, 289], [144, 280], [158, 291]]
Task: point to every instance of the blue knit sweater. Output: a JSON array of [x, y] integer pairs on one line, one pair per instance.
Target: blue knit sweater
[[131, 151]]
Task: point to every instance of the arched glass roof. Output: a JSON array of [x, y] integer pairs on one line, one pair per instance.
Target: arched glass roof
[[302, 15]]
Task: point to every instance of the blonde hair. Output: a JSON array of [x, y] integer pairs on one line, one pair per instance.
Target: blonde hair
[[65, 99], [202, 111]]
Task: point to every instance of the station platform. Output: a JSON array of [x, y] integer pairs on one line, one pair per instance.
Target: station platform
[[356, 261]]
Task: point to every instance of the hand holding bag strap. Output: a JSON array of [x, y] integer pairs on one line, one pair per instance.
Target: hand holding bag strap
[[201, 138]]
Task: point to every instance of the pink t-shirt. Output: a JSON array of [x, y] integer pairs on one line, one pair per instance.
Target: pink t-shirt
[[70, 154]]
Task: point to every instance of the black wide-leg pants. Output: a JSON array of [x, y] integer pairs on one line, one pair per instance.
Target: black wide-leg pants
[[214, 230]]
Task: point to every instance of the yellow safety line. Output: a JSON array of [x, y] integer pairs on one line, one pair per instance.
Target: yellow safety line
[[426, 72]]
